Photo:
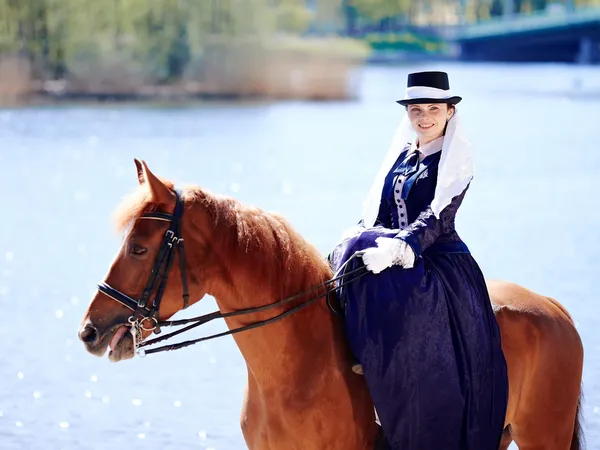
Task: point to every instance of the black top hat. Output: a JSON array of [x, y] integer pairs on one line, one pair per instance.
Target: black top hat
[[428, 87]]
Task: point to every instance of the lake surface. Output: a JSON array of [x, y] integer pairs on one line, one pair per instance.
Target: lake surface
[[531, 216]]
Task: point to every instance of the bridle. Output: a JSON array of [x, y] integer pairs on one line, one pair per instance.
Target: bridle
[[143, 311], [146, 310]]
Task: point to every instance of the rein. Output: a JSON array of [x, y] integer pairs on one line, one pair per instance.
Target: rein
[[145, 313]]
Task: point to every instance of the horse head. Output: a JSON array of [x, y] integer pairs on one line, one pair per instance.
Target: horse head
[[147, 281]]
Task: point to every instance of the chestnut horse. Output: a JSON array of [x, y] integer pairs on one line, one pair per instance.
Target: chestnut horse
[[301, 391]]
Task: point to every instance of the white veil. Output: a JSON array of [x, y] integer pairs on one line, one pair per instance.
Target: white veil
[[454, 174]]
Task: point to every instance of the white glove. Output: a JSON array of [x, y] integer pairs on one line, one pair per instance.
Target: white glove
[[389, 251]]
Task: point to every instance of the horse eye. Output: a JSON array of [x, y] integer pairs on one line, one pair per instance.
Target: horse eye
[[137, 250]]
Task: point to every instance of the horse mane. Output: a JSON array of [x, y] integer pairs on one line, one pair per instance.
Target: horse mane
[[263, 244], [133, 205]]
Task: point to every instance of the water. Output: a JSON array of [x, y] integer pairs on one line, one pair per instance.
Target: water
[[531, 216]]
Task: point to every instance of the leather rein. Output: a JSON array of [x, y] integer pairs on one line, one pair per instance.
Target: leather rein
[[146, 309]]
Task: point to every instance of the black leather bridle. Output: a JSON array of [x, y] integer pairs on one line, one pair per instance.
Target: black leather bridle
[[145, 311]]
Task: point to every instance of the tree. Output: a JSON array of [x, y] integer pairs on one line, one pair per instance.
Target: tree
[[376, 10]]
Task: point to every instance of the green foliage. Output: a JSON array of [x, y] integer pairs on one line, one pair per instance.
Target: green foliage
[[161, 38], [160, 35], [407, 41], [292, 16], [380, 9]]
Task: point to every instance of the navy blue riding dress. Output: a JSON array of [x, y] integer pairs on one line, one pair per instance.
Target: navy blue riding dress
[[426, 336]]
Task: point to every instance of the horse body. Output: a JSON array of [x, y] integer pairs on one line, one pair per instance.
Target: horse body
[[301, 392], [544, 356]]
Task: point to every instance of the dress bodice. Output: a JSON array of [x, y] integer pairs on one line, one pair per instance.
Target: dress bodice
[[409, 189]]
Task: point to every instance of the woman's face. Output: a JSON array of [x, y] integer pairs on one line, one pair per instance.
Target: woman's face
[[429, 120]]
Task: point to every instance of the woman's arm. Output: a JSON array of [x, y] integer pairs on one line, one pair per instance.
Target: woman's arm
[[426, 228]]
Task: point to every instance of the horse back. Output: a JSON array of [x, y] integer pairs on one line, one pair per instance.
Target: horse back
[[544, 356]]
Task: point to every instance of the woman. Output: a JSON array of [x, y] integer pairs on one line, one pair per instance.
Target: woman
[[420, 322]]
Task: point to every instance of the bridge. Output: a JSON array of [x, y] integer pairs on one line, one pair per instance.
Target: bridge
[[567, 35]]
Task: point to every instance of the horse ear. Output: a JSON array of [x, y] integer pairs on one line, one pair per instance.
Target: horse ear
[[140, 171], [160, 193]]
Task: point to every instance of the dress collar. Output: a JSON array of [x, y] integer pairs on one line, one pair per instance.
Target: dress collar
[[428, 149]]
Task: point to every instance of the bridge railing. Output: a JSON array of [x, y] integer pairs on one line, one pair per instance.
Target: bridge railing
[[516, 23]]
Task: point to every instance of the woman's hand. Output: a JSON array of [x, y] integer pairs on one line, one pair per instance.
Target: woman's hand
[[389, 252]]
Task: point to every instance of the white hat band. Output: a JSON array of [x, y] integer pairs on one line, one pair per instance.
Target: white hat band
[[427, 92]]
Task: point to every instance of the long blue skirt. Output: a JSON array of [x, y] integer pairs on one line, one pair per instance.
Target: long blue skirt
[[429, 346]]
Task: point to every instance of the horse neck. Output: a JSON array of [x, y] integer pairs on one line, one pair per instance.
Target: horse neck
[[247, 277], [281, 351], [298, 366]]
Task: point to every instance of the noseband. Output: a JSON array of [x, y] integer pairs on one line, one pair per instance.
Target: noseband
[[145, 314]]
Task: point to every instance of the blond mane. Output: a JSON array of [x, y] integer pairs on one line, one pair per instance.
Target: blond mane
[[247, 237]]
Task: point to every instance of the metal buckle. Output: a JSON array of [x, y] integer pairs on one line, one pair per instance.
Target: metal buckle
[[141, 323]]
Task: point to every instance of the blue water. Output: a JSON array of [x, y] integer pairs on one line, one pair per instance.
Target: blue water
[[531, 216]]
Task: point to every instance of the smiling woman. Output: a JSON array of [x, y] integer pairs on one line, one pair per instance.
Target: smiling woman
[[421, 324]]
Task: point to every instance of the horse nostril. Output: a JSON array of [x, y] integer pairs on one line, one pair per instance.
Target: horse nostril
[[88, 334]]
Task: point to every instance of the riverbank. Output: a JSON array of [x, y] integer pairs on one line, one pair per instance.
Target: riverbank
[[319, 69]]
